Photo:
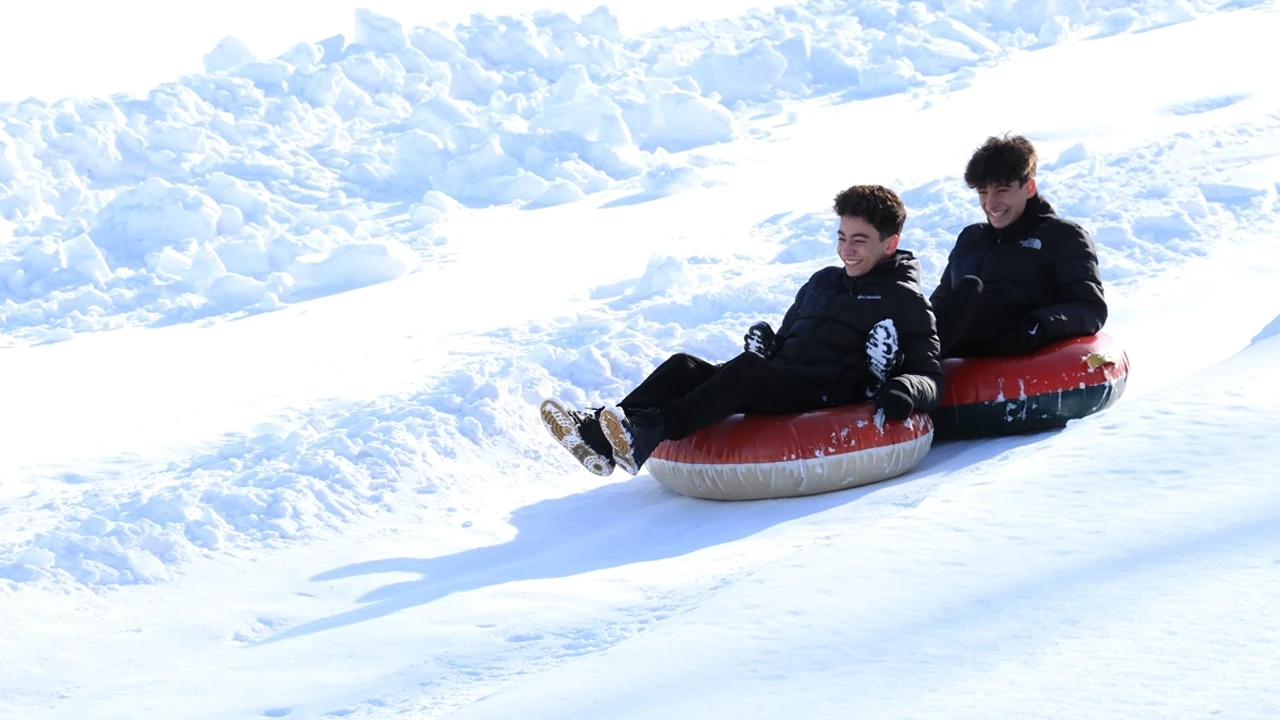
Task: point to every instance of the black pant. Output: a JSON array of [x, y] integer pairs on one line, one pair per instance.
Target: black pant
[[693, 393], [970, 322]]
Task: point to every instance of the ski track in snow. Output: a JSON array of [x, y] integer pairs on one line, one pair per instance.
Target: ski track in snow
[[272, 182]]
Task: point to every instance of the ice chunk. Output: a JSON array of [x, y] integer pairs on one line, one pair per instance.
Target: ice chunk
[[666, 179], [1074, 154], [303, 55], [250, 198], [560, 192], [230, 220], [601, 22], [681, 120], [9, 165], [438, 112], [379, 32], [581, 110], [36, 557], [350, 266], [1170, 13], [82, 256], [1118, 21], [739, 76], [1053, 31], [228, 53], [435, 207], [233, 291], [952, 29], [663, 273], [375, 74], [151, 216], [419, 158], [892, 77], [263, 73], [1229, 194]]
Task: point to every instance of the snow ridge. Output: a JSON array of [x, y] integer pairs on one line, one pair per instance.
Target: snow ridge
[[268, 181]]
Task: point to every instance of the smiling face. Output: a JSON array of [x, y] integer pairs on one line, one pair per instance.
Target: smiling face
[[1004, 204], [860, 246]]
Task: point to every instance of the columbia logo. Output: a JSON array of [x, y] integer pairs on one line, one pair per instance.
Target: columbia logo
[[1033, 243], [870, 297]]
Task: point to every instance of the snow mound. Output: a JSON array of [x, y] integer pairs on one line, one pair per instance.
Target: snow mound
[[203, 197], [277, 484]]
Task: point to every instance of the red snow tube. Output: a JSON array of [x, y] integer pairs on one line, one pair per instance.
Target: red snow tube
[[750, 457], [1064, 381]]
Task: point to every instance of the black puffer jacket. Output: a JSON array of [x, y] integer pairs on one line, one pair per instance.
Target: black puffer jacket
[[824, 335], [1041, 269]]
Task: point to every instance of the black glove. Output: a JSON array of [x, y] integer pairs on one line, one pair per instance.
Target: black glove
[[1028, 337], [894, 400], [759, 340]]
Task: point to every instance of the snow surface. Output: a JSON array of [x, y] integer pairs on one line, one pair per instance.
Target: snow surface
[[273, 336]]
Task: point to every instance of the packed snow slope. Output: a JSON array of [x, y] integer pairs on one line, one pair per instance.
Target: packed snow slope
[[1105, 572], [273, 337]]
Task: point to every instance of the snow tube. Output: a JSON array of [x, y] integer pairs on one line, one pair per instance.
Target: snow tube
[[752, 457], [1064, 381]]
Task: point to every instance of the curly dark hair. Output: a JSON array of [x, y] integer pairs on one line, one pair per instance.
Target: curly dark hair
[[1003, 160], [877, 204]]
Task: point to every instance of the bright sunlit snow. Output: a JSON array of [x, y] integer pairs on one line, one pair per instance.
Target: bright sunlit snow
[[281, 290]]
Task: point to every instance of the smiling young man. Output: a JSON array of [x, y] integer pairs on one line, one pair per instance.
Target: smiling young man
[[860, 330], [1023, 278]]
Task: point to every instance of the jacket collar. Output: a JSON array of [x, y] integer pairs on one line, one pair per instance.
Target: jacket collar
[[902, 266], [1035, 213]]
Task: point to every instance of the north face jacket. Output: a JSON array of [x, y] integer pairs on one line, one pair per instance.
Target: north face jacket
[[823, 337], [1041, 269]]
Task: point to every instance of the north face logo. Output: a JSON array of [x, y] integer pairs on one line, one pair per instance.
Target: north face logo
[[1033, 243]]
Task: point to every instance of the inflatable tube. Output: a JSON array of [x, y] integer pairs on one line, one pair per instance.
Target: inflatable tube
[[752, 457], [1065, 381]]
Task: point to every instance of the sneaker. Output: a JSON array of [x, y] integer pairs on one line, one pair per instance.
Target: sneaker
[[633, 438], [883, 353], [579, 432]]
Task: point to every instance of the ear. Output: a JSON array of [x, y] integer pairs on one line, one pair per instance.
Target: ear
[[891, 245], [1031, 187]]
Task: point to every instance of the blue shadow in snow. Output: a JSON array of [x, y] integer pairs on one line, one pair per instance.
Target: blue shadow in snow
[[636, 199], [613, 526]]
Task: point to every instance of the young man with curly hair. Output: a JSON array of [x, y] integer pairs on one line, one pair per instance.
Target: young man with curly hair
[[857, 331], [1025, 277]]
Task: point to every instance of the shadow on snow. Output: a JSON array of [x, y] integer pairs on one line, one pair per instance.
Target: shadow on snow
[[624, 523]]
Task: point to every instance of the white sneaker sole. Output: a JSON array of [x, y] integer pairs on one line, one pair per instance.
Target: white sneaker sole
[[616, 433], [562, 428]]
